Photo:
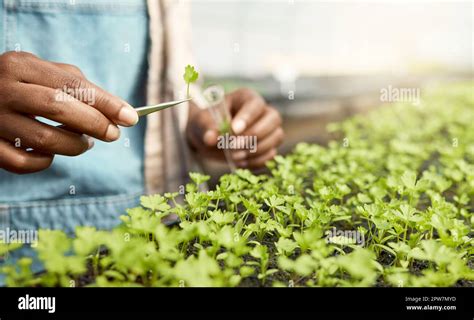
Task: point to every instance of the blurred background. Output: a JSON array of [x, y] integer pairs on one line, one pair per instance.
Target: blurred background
[[322, 61]]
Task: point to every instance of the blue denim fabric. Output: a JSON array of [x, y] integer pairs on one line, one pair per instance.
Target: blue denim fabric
[[108, 41]]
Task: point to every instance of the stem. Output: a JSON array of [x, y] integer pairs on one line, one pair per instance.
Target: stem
[[405, 232], [96, 261], [245, 216]]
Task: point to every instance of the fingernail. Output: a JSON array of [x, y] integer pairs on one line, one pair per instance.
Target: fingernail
[[112, 133], [239, 155], [91, 143], [209, 137], [127, 116], [238, 126]]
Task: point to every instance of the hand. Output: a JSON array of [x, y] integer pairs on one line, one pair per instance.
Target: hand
[[31, 87], [251, 117]]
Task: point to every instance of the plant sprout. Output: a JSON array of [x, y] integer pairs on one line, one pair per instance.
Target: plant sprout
[[190, 76]]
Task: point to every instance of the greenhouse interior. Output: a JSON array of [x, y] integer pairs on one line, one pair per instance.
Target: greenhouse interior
[[196, 143]]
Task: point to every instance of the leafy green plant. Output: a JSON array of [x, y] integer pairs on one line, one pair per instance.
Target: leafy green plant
[[190, 76], [404, 184]]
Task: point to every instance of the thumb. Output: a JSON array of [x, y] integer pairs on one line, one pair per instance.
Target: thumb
[[205, 130], [210, 137]]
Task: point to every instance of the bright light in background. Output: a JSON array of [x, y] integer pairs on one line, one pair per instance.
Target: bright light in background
[[291, 38]]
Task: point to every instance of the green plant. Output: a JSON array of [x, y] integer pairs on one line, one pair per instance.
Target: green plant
[[225, 127], [190, 76], [404, 183]]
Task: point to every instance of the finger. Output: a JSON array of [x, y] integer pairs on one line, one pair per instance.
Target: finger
[[47, 103], [33, 70], [257, 162], [247, 108], [70, 68], [30, 133], [203, 130], [208, 140], [19, 161], [271, 141], [268, 122], [90, 139], [237, 98]]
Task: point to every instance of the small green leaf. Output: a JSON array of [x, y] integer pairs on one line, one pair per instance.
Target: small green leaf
[[190, 75], [409, 179], [155, 202]]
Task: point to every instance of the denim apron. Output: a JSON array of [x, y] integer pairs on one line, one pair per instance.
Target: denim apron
[[108, 41]]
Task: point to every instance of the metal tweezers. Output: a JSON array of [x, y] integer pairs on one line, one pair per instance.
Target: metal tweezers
[[143, 111]]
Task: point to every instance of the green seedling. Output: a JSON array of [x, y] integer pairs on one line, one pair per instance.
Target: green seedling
[[190, 76], [393, 207]]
